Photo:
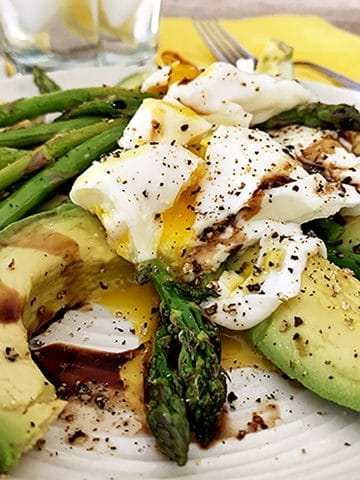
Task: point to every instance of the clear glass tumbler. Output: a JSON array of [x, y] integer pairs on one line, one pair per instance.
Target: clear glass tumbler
[[129, 31], [52, 34]]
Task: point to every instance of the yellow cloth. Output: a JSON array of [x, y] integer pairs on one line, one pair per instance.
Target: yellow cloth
[[312, 38]]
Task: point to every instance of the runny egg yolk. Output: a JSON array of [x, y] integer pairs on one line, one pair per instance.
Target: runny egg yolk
[[139, 303], [177, 232], [237, 352]]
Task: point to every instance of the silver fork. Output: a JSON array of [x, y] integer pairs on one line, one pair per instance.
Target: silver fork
[[227, 49]]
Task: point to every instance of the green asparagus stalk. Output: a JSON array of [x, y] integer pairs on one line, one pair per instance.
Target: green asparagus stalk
[[44, 83], [27, 108], [45, 183], [29, 136], [166, 413], [47, 153], [109, 107], [9, 155], [334, 117], [198, 362]]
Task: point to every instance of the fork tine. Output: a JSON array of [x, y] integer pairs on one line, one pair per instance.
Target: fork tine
[[220, 40], [206, 34], [239, 50], [224, 36], [227, 49]]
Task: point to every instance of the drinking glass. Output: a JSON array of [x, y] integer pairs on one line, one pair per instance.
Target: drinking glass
[[128, 31], [52, 34]]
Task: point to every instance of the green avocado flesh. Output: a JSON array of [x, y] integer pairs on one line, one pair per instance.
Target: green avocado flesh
[[315, 337], [48, 262]]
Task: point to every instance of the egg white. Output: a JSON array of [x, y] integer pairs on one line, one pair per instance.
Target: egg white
[[130, 191], [160, 121], [230, 96]]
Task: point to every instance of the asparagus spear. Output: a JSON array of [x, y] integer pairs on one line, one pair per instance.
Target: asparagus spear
[[42, 185], [21, 109], [9, 155], [109, 107], [44, 83], [47, 153], [25, 137], [198, 362], [334, 117], [166, 415]]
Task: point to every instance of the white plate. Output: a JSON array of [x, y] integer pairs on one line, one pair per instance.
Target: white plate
[[312, 439]]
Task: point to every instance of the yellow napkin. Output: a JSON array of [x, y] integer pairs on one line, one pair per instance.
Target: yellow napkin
[[312, 38]]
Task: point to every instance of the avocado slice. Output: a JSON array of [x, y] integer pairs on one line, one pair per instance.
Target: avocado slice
[[315, 337], [48, 262]]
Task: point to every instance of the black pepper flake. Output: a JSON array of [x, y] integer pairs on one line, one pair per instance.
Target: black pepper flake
[[241, 434], [11, 265], [284, 326], [211, 310], [232, 397], [119, 104], [356, 249], [10, 354], [77, 437], [298, 321], [296, 336], [184, 127], [255, 287], [194, 192]]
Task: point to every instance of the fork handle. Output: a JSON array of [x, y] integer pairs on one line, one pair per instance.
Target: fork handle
[[347, 82]]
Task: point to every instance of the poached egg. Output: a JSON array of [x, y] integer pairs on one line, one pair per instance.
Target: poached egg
[[193, 195]]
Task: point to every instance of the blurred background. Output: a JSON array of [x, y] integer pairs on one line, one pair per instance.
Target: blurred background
[[343, 13]]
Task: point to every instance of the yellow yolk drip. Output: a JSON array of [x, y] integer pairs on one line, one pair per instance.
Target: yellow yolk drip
[[237, 352], [122, 246], [177, 231], [132, 374], [136, 303]]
